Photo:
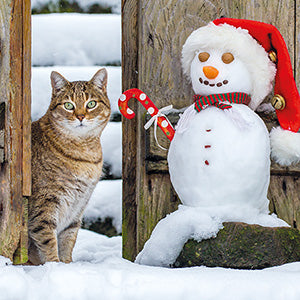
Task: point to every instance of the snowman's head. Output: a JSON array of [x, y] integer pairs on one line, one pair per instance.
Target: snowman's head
[[222, 59], [216, 72]]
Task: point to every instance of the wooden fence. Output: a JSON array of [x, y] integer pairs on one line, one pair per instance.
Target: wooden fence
[[15, 99], [153, 34]]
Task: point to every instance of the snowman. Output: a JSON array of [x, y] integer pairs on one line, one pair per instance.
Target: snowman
[[219, 156]]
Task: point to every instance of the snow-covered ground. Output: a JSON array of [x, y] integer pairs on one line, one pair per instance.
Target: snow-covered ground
[[99, 272]]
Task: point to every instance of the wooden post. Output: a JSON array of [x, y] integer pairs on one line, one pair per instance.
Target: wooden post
[[153, 35], [15, 173]]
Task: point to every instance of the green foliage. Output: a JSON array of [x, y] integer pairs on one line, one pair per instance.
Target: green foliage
[[69, 6], [99, 9]]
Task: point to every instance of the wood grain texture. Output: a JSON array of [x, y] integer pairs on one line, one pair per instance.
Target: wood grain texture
[[284, 196], [129, 137], [163, 27], [296, 61], [26, 94], [13, 218]]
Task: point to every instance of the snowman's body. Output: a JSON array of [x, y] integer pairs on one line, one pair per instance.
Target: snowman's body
[[221, 158]]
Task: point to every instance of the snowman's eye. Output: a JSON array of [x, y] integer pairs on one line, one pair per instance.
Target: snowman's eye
[[203, 56], [227, 58]]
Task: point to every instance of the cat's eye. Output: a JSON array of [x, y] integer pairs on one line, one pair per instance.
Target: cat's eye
[[91, 104], [203, 56], [69, 106], [227, 58]]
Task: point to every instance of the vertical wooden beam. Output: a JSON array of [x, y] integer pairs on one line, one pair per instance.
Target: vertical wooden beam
[[15, 91], [129, 136], [26, 92]]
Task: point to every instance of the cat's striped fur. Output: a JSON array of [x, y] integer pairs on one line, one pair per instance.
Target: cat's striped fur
[[66, 164]]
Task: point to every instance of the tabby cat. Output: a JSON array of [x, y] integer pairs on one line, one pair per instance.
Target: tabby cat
[[66, 164]]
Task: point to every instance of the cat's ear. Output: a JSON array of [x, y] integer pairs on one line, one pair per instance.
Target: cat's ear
[[100, 79], [58, 81]]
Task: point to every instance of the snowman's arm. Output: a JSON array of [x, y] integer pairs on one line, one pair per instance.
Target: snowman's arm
[[172, 232]]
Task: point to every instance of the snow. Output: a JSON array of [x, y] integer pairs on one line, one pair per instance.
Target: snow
[[111, 141], [99, 272], [41, 86], [198, 223], [76, 39], [220, 174], [106, 202], [114, 4]]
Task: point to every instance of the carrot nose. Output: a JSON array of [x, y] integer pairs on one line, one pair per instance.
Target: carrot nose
[[210, 72]]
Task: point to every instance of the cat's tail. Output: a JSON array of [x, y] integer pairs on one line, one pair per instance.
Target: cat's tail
[[157, 115]]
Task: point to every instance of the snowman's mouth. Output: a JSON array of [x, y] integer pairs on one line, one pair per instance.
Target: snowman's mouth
[[218, 84]]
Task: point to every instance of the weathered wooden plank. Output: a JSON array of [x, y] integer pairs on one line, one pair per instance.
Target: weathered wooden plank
[[296, 61], [2, 127], [129, 138], [156, 200], [21, 254], [13, 218], [5, 221], [26, 92], [286, 188]]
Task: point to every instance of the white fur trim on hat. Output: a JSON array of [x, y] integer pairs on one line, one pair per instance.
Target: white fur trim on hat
[[285, 146], [241, 44]]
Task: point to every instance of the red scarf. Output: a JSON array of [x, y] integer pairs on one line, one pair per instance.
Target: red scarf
[[201, 102]]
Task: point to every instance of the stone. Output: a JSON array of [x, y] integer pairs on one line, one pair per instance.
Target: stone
[[243, 246]]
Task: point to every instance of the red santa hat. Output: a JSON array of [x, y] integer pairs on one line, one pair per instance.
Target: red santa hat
[[263, 51]]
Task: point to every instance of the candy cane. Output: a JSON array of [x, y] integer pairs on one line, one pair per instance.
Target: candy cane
[[157, 115]]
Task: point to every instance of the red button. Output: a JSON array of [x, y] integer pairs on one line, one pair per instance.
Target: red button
[[206, 162]]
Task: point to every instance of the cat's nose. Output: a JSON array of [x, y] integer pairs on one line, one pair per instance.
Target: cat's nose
[[80, 117]]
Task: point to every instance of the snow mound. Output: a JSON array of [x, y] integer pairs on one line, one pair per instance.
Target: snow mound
[[198, 223], [76, 39], [111, 141], [4, 261], [106, 202]]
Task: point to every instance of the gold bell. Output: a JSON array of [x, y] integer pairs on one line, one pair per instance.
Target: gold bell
[[278, 102], [273, 56]]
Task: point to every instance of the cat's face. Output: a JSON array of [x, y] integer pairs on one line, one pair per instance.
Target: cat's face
[[80, 108]]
